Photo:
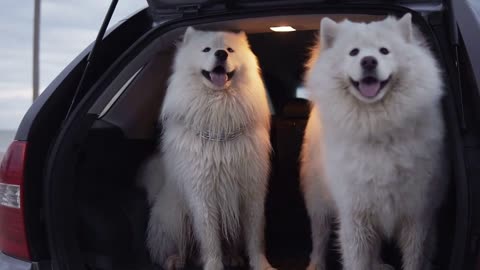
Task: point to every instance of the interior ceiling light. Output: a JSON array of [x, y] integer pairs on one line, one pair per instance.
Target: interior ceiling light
[[284, 28]]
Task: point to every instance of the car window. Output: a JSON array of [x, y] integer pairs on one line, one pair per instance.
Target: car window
[[301, 92]]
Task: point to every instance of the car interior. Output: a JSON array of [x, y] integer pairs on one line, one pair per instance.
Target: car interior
[[112, 209]]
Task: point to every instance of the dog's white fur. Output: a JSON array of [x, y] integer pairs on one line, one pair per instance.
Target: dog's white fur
[[203, 190], [376, 164]]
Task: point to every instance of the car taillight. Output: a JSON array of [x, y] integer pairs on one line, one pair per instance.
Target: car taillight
[[13, 238]]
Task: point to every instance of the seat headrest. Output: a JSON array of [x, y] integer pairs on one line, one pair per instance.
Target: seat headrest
[[296, 108]]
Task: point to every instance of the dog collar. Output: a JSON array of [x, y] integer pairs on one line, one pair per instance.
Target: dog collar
[[213, 136], [220, 137]]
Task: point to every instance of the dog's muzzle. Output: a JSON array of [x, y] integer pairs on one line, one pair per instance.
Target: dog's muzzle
[[218, 76], [369, 86]]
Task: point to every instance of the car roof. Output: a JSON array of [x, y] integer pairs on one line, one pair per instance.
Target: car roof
[[194, 6]]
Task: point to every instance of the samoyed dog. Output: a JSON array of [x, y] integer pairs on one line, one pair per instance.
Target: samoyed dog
[[207, 185], [373, 154]]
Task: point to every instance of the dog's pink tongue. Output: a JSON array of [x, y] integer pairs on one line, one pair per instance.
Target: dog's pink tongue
[[369, 89], [218, 79]]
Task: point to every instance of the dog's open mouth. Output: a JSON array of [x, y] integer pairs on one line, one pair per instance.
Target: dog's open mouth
[[218, 76], [369, 87]]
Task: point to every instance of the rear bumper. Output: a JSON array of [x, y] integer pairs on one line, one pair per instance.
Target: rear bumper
[[10, 263]]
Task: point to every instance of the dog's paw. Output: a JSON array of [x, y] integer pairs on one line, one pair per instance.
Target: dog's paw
[[213, 264], [174, 262], [314, 266], [263, 265], [384, 266]]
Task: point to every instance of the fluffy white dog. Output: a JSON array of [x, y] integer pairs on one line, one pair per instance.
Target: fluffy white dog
[[209, 180], [373, 154]]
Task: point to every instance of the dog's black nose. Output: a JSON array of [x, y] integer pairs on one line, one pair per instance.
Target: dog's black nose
[[221, 55], [369, 63]]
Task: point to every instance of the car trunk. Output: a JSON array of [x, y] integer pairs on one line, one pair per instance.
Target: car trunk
[[114, 129]]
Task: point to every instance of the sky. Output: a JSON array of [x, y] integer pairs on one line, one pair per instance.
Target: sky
[[67, 27]]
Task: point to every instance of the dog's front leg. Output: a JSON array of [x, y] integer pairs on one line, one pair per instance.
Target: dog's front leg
[[413, 241], [320, 220], [253, 227], [360, 242], [206, 227]]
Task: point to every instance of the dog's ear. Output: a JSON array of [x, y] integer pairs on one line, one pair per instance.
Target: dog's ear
[[188, 33], [405, 25], [242, 34], [328, 32]]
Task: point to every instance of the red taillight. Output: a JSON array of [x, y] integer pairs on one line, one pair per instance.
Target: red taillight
[[13, 238]]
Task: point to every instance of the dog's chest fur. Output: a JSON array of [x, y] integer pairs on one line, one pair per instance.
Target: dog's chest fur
[[220, 158], [391, 175]]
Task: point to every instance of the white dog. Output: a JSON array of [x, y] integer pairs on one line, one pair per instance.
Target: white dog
[[373, 154], [209, 181]]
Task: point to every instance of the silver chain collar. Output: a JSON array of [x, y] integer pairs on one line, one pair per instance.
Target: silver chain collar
[[220, 137], [215, 137]]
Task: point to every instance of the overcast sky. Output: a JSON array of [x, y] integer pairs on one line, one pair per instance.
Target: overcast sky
[[67, 27]]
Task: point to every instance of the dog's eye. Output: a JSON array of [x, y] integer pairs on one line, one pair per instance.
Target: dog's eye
[[384, 50], [354, 52], [207, 49], [230, 50]]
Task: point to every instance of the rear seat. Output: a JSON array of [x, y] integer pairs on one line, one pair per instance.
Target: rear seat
[[287, 220]]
